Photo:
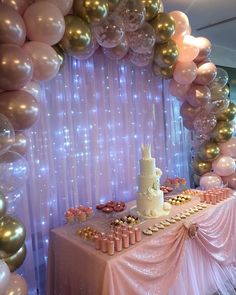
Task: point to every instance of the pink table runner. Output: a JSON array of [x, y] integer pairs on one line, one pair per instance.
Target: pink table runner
[[168, 262]]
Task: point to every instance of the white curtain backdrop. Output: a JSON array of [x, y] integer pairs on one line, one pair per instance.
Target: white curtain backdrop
[[86, 145]]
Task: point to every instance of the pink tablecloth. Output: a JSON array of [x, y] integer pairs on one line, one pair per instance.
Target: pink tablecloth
[[169, 262]]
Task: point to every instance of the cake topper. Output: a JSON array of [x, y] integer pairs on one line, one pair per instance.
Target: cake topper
[[146, 151]]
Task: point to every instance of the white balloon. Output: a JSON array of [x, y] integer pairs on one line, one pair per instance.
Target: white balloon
[[4, 276]]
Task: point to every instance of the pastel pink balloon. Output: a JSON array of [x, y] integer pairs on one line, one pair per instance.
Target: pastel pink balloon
[[198, 95], [188, 49], [230, 180], [204, 46], [178, 90], [64, 5], [228, 148], [45, 60], [188, 112], [44, 22], [33, 88], [224, 166], [18, 5], [181, 21], [185, 72], [16, 67], [17, 285], [206, 73], [210, 180], [12, 27]]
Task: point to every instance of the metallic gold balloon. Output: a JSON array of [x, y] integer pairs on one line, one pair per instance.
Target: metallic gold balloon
[[152, 8], [93, 12], [12, 236], [222, 132], [166, 54], [16, 260], [200, 167], [3, 205], [164, 73], [209, 151], [60, 54], [77, 38], [164, 27], [228, 114]]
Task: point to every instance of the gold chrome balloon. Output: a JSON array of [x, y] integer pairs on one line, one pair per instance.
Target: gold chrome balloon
[[209, 151], [60, 54], [222, 132], [12, 236], [164, 73], [152, 8], [164, 27], [3, 205], [200, 167], [228, 114], [77, 38], [16, 260], [166, 54], [93, 12]]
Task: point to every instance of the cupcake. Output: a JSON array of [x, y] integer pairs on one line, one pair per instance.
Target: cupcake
[[69, 216]]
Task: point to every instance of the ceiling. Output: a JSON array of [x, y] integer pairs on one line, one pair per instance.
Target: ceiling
[[213, 19]]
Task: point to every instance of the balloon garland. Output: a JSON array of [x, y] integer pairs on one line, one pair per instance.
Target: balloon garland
[[33, 42]]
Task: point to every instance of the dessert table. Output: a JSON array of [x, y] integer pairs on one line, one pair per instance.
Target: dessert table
[[168, 262]]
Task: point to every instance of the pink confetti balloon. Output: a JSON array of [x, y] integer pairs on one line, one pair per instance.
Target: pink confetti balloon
[[178, 90], [12, 27], [44, 23], [141, 59], [188, 49], [185, 72], [142, 40], [204, 123], [224, 166], [16, 67], [210, 180], [230, 180], [228, 148], [117, 52], [110, 33], [204, 46], [206, 73], [198, 95]]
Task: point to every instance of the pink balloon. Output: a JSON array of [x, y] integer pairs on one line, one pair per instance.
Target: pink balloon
[[44, 22], [188, 124], [230, 180], [33, 88], [12, 27], [188, 112], [117, 52], [224, 166], [204, 46], [188, 49], [181, 21], [17, 285], [210, 180], [228, 148], [206, 73], [198, 95], [45, 60], [18, 5], [178, 90], [64, 5], [185, 72], [16, 67], [204, 123]]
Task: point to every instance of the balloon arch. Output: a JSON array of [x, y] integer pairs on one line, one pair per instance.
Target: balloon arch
[[34, 37]]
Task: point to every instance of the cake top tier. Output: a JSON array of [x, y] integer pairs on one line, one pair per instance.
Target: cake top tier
[[146, 151]]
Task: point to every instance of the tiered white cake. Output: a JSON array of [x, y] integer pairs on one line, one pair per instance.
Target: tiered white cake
[[150, 199]]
